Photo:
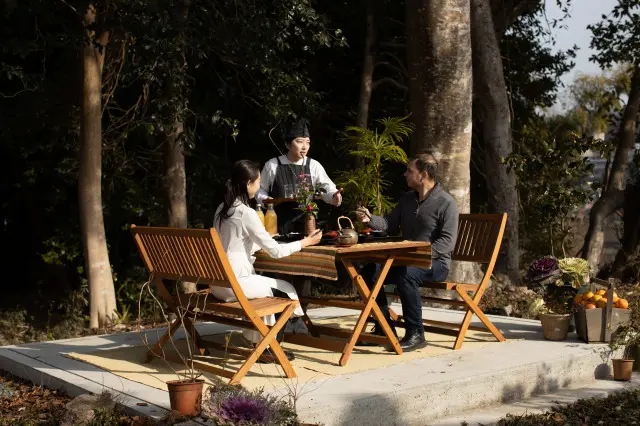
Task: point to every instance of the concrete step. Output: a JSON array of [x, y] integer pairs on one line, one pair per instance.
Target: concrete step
[[422, 391], [538, 404]]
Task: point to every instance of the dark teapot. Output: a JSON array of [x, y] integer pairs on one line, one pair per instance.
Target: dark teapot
[[346, 236]]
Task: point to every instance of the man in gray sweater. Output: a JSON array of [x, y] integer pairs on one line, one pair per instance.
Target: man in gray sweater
[[426, 213]]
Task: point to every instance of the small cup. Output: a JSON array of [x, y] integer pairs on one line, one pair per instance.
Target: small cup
[[289, 191]]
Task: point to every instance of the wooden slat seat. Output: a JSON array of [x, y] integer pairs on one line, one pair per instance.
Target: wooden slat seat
[[479, 240], [262, 307], [196, 255]]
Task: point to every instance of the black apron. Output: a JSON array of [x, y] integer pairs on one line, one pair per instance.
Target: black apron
[[290, 219]]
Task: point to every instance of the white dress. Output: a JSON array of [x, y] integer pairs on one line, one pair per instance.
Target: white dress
[[242, 234]]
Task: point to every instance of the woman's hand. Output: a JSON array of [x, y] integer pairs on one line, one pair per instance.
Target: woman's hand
[[313, 238]]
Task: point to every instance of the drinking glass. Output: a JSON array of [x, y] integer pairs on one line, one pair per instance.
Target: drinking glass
[[289, 191]]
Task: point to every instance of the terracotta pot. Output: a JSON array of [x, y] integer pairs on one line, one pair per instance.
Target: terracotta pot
[[185, 396], [622, 369], [309, 224], [555, 327]]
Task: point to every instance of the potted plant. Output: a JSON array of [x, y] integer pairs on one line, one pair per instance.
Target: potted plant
[[305, 197], [235, 405], [626, 338], [554, 306], [185, 393]]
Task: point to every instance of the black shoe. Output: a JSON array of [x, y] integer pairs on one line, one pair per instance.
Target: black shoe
[[296, 326], [378, 331], [290, 356], [413, 340]]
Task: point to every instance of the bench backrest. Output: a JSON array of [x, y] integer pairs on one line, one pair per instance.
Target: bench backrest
[[479, 237], [194, 255]]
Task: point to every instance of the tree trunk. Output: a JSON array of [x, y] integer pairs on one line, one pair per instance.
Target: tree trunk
[[366, 81], [628, 255], [440, 86], [174, 173], [612, 197], [494, 115], [94, 241], [175, 177]]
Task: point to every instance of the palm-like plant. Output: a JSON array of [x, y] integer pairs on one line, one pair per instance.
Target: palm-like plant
[[365, 185]]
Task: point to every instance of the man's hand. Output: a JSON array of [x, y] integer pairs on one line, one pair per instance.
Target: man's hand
[[337, 198], [363, 215]]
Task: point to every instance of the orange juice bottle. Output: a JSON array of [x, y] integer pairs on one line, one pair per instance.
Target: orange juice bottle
[[271, 220], [260, 214]]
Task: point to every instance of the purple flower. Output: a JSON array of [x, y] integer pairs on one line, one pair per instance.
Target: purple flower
[[542, 268], [239, 408]]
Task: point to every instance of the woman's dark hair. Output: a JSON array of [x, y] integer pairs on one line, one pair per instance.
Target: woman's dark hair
[[425, 161], [243, 172]]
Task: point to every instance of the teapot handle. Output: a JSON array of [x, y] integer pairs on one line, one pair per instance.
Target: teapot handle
[[344, 217]]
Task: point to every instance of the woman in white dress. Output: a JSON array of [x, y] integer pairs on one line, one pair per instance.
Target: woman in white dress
[[242, 234]]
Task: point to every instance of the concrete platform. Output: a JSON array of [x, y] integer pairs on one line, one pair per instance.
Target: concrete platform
[[416, 392]]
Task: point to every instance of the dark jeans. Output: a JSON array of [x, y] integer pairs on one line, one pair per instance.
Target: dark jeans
[[407, 281]]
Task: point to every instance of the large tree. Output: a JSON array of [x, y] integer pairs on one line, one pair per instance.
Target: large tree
[[616, 39], [94, 240], [440, 87], [493, 115]]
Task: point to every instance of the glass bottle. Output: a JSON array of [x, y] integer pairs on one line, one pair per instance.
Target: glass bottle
[[271, 220], [260, 214]]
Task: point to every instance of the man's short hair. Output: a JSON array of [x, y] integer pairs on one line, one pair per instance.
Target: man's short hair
[[425, 161]]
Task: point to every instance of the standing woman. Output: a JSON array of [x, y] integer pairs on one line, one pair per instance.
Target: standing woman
[[242, 234], [285, 169]]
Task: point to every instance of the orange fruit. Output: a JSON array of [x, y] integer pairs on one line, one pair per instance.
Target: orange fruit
[[602, 303], [595, 298], [601, 292], [588, 295], [623, 304], [590, 306]]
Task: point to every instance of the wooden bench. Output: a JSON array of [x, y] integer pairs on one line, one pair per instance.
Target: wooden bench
[[196, 255], [479, 240]]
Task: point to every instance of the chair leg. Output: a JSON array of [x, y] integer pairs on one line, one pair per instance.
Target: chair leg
[[268, 340], [474, 309], [156, 349], [195, 336]]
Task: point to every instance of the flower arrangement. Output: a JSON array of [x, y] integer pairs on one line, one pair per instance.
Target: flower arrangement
[[234, 405], [557, 282], [306, 193]]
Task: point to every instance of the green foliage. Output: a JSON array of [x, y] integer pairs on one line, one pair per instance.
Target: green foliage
[[617, 36], [366, 183], [596, 98], [552, 175]]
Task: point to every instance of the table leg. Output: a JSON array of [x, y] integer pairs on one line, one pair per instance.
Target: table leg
[[369, 297]]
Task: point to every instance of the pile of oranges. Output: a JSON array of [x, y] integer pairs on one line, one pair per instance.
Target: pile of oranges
[[599, 300]]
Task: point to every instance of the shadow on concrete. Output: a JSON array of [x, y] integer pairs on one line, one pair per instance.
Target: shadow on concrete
[[372, 410]]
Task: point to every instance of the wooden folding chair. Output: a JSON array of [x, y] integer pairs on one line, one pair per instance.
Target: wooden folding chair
[[479, 240], [197, 255]]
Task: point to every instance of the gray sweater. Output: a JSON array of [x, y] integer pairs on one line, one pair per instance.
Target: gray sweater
[[435, 219]]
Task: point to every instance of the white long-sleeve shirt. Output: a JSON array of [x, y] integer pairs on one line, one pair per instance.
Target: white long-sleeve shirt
[[242, 235], [318, 177]]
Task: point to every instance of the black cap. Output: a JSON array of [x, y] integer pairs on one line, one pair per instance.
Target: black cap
[[299, 129]]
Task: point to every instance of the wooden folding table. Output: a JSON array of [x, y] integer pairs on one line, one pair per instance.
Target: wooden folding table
[[320, 262]]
